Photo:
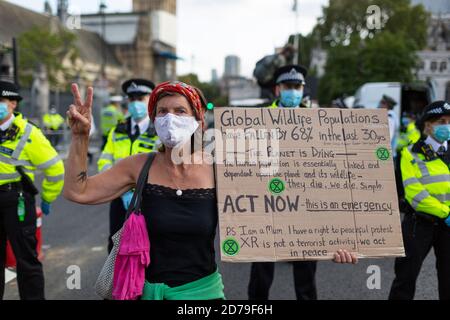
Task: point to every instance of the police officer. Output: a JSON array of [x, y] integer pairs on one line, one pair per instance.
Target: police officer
[[409, 134], [110, 115], [389, 103], [23, 149], [290, 85], [426, 178], [53, 122], [136, 134]]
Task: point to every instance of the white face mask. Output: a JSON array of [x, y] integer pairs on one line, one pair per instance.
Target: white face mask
[[175, 130]]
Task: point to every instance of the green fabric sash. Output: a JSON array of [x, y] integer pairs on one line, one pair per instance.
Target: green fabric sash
[[207, 288]]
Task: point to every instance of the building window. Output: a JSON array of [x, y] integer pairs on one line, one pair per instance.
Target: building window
[[433, 66], [443, 66], [421, 65]]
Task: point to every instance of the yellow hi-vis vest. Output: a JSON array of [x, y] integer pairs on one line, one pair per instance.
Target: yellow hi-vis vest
[[274, 105], [31, 149], [410, 136], [53, 121], [119, 145], [426, 183], [110, 115]]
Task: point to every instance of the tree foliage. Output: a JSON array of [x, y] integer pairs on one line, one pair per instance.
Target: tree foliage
[[41, 46], [345, 21], [362, 48]]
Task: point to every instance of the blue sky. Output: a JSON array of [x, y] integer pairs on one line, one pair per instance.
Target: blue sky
[[208, 30]]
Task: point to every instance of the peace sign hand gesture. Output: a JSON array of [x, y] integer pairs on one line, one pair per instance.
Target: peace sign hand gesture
[[79, 114]]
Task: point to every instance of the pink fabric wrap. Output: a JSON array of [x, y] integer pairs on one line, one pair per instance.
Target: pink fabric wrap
[[132, 259]]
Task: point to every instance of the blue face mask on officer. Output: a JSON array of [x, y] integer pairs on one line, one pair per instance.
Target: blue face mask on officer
[[442, 132], [291, 98], [138, 109], [4, 111]]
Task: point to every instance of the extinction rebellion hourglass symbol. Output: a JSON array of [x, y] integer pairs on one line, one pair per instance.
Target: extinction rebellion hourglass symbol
[[230, 247], [382, 153], [276, 186]]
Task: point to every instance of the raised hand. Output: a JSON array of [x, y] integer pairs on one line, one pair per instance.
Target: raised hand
[[79, 114]]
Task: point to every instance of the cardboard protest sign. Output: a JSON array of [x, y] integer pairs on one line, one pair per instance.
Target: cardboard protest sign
[[299, 184]]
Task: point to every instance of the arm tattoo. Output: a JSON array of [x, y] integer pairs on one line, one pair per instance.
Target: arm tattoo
[[82, 177]]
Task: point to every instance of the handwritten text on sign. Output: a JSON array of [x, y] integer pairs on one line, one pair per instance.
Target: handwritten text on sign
[[299, 184]]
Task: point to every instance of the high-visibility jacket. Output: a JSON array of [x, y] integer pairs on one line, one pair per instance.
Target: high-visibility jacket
[[53, 121], [120, 146], [109, 117], [426, 181], [28, 147], [410, 136]]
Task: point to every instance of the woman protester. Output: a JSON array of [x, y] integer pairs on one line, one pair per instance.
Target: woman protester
[[179, 200]]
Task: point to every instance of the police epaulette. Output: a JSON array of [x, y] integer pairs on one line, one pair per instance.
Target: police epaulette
[[121, 127], [11, 133], [425, 149]]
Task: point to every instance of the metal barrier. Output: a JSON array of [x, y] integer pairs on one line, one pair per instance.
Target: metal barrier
[[58, 138]]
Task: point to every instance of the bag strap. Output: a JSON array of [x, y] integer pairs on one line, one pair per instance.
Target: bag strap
[[142, 180]]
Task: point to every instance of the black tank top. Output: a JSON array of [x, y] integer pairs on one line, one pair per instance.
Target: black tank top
[[182, 231]]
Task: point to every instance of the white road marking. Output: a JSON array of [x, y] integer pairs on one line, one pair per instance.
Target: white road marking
[[9, 275], [97, 249]]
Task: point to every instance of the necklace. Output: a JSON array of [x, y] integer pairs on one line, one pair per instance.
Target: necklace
[[178, 192]]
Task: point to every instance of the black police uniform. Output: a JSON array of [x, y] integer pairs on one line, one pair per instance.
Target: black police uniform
[[262, 273]]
